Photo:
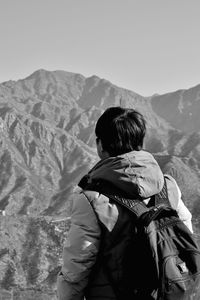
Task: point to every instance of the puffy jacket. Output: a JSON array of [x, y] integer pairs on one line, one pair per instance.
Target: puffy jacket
[[133, 175]]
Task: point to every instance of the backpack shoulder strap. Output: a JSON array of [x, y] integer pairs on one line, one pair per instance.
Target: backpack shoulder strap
[[136, 206], [143, 213], [161, 197]]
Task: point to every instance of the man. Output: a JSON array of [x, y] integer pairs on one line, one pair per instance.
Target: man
[[100, 231]]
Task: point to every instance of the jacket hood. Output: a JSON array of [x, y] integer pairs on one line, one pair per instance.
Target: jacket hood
[[134, 174]]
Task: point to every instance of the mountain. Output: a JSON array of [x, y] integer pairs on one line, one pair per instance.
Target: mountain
[[47, 143], [180, 109]]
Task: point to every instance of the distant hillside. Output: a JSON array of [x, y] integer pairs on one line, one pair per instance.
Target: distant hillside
[[47, 143], [181, 108]]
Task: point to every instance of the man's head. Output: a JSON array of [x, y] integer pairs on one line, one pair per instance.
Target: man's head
[[120, 130]]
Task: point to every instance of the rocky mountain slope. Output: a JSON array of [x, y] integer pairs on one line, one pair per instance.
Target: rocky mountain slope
[[47, 143], [180, 109]]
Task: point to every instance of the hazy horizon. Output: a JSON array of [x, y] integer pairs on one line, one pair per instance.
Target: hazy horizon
[[145, 46]]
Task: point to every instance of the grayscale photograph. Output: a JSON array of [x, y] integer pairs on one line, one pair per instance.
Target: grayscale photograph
[[99, 150]]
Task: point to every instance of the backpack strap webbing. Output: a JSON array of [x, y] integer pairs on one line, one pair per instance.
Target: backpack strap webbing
[[138, 207], [161, 197]]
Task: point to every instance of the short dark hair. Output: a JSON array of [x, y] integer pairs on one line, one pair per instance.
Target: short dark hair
[[121, 130]]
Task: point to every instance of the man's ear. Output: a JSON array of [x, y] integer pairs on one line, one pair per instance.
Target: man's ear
[[100, 146], [100, 150]]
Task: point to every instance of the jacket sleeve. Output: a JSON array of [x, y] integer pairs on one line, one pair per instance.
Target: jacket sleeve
[[80, 250], [176, 202]]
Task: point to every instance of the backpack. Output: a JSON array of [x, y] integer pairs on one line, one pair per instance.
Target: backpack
[[165, 258]]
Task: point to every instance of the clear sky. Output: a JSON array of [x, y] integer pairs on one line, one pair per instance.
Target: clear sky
[[147, 46]]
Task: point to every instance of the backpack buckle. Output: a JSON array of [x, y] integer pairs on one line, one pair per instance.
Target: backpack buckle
[[182, 267]]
